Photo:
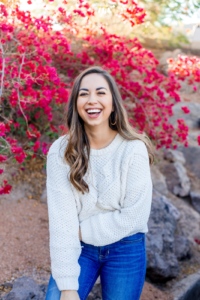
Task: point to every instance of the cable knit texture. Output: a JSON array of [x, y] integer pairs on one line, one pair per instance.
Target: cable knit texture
[[118, 203]]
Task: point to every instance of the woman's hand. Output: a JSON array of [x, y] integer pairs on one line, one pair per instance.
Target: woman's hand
[[80, 237], [69, 295]]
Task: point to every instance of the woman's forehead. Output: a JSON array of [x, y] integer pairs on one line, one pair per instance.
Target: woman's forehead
[[93, 81]]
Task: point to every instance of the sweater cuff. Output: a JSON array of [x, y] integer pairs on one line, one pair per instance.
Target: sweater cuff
[[67, 283], [86, 231]]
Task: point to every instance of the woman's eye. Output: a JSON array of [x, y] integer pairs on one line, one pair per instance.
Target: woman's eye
[[83, 94]]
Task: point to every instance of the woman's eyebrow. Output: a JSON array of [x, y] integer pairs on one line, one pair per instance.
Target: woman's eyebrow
[[96, 89]]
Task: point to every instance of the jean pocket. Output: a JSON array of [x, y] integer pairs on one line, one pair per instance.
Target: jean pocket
[[135, 238]]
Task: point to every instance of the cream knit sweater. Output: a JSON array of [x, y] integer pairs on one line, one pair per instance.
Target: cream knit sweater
[[117, 205]]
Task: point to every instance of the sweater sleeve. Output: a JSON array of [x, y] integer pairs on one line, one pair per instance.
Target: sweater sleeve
[[109, 227], [64, 243]]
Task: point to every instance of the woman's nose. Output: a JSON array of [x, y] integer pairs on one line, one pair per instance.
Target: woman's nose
[[92, 99]]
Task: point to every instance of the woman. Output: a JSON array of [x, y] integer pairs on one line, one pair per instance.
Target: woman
[[99, 193]]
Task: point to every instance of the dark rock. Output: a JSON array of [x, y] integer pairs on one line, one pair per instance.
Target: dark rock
[[7, 285], [195, 199], [43, 288], [182, 247], [162, 263], [187, 288], [25, 288]]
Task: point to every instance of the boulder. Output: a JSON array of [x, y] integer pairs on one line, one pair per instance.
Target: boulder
[[158, 180], [192, 158], [177, 179], [187, 288], [188, 224], [183, 188], [25, 288], [195, 199], [174, 155], [182, 247], [162, 263]]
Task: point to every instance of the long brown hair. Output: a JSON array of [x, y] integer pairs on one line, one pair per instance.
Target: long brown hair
[[75, 154]]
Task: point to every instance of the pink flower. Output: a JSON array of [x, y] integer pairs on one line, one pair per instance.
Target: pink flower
[[197, 241], [3, 158], [37, 115], [16, 125], [16, 85], [36, 146], [16, 150], [44, 148], [63, 129], [185, 109], [20, 158], [198, 139], [2, 129], [6, 188]]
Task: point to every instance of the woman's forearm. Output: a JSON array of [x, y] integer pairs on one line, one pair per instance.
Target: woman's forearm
[[69, 295]]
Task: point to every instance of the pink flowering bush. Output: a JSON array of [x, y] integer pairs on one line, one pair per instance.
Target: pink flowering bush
[[38, 65], [186, 69]]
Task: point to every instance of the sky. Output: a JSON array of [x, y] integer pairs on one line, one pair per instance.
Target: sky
[[194, 19]]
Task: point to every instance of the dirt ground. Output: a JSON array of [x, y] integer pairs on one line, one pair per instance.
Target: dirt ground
[[24, 245]]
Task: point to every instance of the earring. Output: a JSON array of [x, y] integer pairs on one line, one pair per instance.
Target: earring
[[115, 121]]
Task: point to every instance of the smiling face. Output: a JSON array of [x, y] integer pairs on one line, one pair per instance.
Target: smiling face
[[94, 102]]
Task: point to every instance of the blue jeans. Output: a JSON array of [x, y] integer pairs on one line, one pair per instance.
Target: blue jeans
[[121, 266]]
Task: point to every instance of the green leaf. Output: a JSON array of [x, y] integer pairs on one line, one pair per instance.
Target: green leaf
[[30, 153], [48, 133], [21, 121]]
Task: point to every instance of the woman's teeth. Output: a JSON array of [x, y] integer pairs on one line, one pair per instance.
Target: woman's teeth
[[93, 111]]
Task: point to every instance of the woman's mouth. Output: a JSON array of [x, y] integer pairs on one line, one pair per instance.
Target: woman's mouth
[[93, 113]]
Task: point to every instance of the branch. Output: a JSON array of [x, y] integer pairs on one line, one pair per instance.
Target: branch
[[1, 138], [3, 70], [18, 80], [4, 118]]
